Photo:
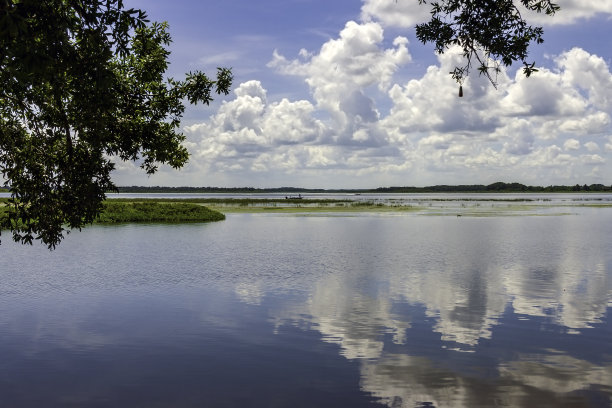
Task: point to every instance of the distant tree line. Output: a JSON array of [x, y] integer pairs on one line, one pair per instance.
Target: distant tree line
[[498, 187]]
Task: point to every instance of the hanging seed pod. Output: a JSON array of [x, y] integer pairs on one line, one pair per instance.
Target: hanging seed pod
[[460, 91]]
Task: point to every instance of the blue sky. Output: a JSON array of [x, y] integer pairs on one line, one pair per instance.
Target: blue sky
[[332, 94]]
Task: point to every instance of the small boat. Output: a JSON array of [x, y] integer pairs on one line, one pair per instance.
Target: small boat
[[297, 197]]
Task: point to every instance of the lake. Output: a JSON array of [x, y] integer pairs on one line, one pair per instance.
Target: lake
[[314, 310]]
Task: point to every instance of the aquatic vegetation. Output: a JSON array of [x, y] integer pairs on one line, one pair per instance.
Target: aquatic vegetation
[[235, 201], [138, 212], [116, 212], [198, 209]]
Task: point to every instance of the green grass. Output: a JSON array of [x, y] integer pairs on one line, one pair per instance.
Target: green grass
[[117, 212], [454, 206], [592, 205], [134, 212], [125, 212]]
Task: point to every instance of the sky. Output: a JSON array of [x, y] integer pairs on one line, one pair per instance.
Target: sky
[[341, 94]]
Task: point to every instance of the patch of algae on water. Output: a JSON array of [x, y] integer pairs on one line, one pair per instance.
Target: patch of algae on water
[[449, 208]]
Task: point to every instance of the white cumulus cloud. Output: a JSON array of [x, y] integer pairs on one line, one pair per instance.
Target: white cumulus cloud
[[572, 12], [408, 13], [399, 13], [571, 144], [551, 126]]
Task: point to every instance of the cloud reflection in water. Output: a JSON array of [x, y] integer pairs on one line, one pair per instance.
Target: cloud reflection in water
[[470, 279]]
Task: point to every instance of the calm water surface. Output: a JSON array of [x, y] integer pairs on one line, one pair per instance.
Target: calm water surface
[[367, 310]]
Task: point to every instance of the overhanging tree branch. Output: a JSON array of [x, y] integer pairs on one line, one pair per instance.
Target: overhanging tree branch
[[83, 81], [492, 32]]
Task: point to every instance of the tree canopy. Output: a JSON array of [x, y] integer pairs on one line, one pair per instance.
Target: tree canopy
[[491, 33], [83, 86]]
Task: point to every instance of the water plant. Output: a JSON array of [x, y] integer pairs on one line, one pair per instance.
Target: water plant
[[116, 212]]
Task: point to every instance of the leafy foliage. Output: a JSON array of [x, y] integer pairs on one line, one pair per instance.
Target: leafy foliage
[[490, 33], [83, 85]]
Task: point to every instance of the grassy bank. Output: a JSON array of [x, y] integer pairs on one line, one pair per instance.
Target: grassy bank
[[282, 205], [116, 212], [124, 212], [279, 205]]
